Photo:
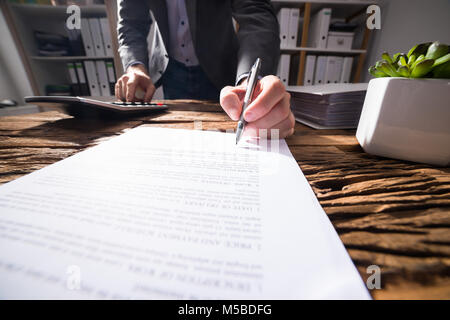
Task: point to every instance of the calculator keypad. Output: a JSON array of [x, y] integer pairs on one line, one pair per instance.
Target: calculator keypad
[[136, 104]]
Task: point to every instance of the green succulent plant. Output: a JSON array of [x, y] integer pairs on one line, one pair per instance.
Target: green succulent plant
[[424, 60]]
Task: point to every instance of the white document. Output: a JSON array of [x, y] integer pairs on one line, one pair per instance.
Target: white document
[[309, 70], [96, 32], [173, 214], [283, 68], [106, 36], [294, 15], [346, 70], [319, 74], [92, 78], [319, 28], [102, 78], [86, 36], [283, 20]]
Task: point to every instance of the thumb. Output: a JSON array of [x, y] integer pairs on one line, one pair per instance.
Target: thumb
[[231, 101]]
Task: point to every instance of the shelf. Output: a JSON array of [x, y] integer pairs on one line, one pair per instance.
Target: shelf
[[69, 58], [323, 50]]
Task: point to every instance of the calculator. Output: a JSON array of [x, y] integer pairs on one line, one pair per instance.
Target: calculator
[[87, 107]]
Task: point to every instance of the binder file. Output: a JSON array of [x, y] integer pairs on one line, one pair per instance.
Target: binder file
[[74, 85], [84, 88], [283, 68], [75, 42], [338, 69], [319, 74], [99, 49], [102, 78], [283, 20], [309, 70], [293, 27], [106, 34], [92, 79], [294, 65], [319, 28], [111, 76], [329, 69], [88, 44], [346, 69]]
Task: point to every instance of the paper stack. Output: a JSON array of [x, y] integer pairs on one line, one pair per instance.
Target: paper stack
[[328, 106]]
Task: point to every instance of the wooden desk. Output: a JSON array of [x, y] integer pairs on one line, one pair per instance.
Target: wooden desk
[[390, 213]]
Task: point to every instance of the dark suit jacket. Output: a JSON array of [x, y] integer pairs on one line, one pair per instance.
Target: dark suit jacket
[[223, 54]]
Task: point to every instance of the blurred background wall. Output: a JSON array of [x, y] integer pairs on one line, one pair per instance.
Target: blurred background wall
[[405, 23], [14, 83]]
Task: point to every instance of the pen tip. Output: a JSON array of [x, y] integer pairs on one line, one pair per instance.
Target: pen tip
[[238, 133]]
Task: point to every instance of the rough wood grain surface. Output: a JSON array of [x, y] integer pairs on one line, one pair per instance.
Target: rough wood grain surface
[[390, 213]]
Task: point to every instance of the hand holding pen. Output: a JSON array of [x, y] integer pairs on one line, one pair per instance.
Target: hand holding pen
[[269, 107]]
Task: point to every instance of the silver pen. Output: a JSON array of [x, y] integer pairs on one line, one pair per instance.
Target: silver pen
[[251, 84]]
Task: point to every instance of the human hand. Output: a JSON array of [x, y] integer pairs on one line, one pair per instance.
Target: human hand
[[269, 109], [135, 85]]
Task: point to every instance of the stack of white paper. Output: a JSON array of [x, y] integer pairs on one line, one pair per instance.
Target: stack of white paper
[[172, 214], [328, 106]]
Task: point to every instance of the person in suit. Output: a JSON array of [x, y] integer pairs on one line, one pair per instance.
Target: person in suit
[[196, 53]]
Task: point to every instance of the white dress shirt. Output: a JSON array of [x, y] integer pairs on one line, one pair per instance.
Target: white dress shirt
[[181, 47]]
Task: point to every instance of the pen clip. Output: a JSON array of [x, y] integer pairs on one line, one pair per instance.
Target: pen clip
[[252, 80]]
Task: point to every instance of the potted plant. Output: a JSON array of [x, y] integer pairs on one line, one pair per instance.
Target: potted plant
[[406, 112]]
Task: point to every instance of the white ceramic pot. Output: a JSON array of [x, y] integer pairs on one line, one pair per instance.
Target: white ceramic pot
[[407, 119]]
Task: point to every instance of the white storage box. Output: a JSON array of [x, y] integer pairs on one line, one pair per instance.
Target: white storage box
[[340, 40]]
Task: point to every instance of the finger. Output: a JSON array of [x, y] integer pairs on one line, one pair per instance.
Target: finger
[[123, 86], [118, 90], [231, 101], [276, 114], [131, 89], [271, 92], [149, 93], [285, 127], [121, 90]]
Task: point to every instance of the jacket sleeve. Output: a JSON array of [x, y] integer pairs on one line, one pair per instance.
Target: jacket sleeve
[[258, 35], [132, 31]]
